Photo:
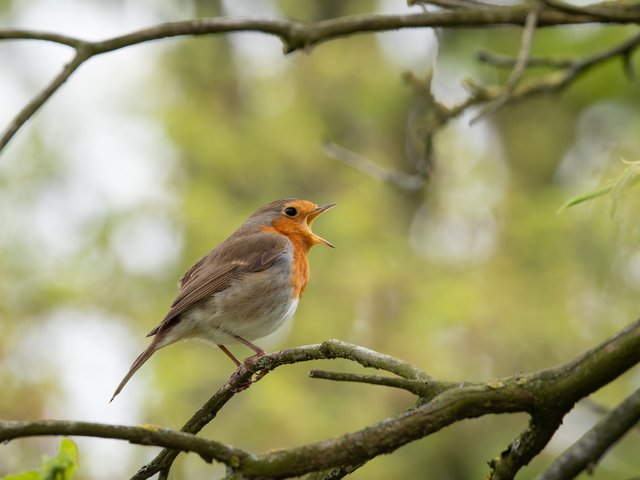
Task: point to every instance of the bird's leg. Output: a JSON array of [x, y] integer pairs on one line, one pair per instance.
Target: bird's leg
[[239, 367], [230, 355], [248, 362], [252, 359], [247, 343]]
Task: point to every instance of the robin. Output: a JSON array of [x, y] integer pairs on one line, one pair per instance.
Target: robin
[[246, 287]]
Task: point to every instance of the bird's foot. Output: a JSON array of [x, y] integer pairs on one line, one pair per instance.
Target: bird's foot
[[250, 362], [247, 366]]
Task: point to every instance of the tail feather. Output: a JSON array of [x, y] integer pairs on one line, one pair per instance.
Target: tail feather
[[143, 357]]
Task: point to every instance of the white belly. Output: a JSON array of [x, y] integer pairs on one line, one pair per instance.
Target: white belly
[[249, 311]]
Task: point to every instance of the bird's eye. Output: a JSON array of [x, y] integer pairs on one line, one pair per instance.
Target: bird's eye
[[290, 211]]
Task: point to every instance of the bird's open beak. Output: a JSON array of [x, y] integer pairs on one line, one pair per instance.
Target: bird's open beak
[[315, 214]]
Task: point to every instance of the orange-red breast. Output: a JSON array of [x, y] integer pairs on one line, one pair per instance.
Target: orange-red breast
[[247, 286]]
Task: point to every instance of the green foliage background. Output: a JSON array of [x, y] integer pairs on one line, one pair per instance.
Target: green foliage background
[[542, 289]]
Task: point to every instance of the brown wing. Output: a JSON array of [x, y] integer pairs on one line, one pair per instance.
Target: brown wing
[[214, 272]]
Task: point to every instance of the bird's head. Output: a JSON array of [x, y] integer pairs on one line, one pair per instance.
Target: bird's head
[[292, 217]]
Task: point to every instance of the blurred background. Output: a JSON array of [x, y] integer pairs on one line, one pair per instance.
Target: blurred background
[[150, 156]]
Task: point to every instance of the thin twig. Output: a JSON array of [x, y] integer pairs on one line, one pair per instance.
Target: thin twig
[[504, 61], [592, 446], [519, 66], [423, 122], [148, 435], [548, 84], [522, 59], [36, 102], [23, 34], [624, 49], [294, 35], [453, 4], [572, 67], [605, 11], [417, 387], [571, 71], [403, 181]]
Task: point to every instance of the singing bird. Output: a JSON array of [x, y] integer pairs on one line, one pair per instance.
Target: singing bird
[[246, 287]]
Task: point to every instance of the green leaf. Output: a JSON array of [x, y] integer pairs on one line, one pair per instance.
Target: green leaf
[[617, 187], [29, 475], [585, 197], [60, 467], [64, 464], [628, 179]]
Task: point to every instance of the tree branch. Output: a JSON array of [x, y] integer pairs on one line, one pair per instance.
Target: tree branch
[[528, 444], [36, 102], [612, 10], [438, 115], [600, 409], [519, 66], [147, 435], [571, 71], [400, 180], [422, 388], [623, 49], [592, 446], [297, 35], [334, 473], [537, 393], [546, 394], [504, 61], [331, 349], [452, 4], [551, 390]]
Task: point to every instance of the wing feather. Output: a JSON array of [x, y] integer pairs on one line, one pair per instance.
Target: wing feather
[[214, 272]]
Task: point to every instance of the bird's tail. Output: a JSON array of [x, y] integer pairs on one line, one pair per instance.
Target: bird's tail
[[143, 357]]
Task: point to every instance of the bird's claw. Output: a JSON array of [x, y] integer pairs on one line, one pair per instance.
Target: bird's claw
[[238, 385]]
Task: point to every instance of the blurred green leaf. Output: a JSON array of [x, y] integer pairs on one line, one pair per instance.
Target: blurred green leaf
[[60, 467], [30, 475], [615, 187]]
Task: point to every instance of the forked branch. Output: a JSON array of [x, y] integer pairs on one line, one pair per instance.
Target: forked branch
[[546, 395], [297, 35]]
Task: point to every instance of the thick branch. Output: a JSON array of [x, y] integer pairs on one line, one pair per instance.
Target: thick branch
[[334, 473], [296, 35], [331, 349], [543, 394], [539, 393], [528, 444]]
